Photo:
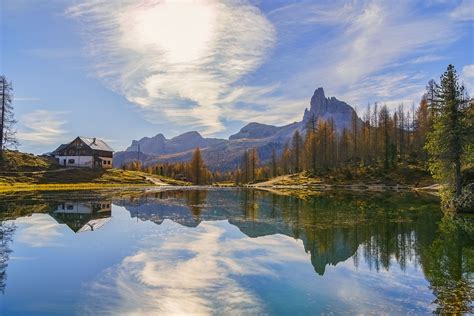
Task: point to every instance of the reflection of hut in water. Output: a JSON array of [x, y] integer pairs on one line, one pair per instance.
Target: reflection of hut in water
[[83, 216]]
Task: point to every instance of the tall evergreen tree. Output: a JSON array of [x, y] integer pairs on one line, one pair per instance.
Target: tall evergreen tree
[[446, 142]]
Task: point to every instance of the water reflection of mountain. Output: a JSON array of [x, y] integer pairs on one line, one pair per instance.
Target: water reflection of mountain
[[379, 230], [332, 227]]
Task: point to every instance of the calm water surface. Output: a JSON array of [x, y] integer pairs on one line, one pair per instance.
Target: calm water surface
[[226, 250]]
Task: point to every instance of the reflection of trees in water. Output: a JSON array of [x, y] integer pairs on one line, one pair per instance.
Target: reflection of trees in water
[[448, 264], [333, 227], [249, 203], [6, 234], [388, 229], [380, 230], [195, 200]]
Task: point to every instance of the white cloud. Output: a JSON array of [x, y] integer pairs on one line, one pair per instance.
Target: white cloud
[[38, 230], [426, 59], [179, 59], [194, 272], [369, 43], [26, 99], [42, 127], [468, 78], [464, 11], [468, 71], [391, 90]]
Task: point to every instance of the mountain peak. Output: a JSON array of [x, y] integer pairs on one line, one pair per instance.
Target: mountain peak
[[322, 108], [188, 136], [319, 94], [255, 131]]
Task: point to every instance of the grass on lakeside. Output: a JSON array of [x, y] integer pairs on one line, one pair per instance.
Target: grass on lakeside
[[21, 187], [21, 171], [407, 175], [13, 160], [81, 179]]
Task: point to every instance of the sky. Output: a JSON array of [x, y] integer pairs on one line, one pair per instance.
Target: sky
[[121, 70]]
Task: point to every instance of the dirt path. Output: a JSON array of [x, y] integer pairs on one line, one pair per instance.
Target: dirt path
[[155, 181]]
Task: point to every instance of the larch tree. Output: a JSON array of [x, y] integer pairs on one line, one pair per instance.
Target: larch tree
[[354, 130], [253, 163], [7, 120], [422, 127], [274, 165], [296, 147], [198, 169], [245, 166], [385, 123]]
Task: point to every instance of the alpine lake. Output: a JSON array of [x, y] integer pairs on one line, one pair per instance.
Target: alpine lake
[[232, 251]]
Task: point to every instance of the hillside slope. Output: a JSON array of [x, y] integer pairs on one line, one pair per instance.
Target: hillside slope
[[20, 171]]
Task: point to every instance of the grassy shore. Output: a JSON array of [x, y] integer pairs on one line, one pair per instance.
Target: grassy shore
[[79, 179], [26, 172], [404, 177]]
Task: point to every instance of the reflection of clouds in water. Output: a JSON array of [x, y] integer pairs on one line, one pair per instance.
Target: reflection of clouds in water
[[194, 272], [38, 230], [369, 292]]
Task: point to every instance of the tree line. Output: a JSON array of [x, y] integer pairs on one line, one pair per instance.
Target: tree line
[[380, 139], [194, 171], [437, 135]]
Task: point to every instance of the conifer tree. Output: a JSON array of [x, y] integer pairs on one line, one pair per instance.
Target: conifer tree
[[445, 143]]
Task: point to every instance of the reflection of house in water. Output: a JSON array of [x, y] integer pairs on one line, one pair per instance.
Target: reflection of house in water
[[83, 216]]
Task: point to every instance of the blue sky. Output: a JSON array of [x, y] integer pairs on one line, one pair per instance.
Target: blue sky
[[121, 70]]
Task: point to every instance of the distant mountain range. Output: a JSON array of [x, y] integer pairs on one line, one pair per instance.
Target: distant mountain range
[[226, 154]]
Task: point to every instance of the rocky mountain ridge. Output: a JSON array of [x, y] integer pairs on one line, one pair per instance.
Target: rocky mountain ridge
[[225, 154]]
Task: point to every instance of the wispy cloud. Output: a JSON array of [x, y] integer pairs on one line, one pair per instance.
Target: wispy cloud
[[199, 267], [426, 59], [368, 43], [468, 77], [468, 71], [26, 99], [42, 127], [38, 230], [464, 11], [199, 64], [178, 59]]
